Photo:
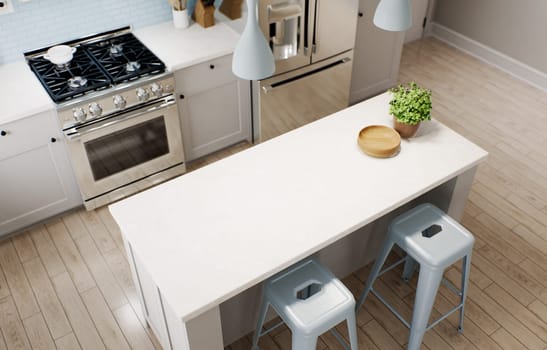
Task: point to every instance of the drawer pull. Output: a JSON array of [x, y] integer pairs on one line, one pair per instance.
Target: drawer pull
[[360, 14], [3, 132], [53, 140], [181, 96], [212, 66]]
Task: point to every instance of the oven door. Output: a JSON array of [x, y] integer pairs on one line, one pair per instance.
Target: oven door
[[126, 148]]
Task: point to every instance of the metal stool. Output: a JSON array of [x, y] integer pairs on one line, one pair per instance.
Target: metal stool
[[434, 240], [310, 300]]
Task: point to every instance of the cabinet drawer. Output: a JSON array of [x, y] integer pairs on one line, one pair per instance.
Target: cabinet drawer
[[26, 134], [204, 76]]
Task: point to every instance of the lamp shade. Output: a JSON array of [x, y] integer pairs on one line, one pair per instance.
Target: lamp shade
[[393, 15], [253, 59]]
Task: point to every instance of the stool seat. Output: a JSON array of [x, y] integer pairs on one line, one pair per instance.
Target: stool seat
[[440, 250], [311, 301], [328, 299]]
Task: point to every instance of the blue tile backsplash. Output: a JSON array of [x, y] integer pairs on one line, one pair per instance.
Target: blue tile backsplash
[[41, 23]]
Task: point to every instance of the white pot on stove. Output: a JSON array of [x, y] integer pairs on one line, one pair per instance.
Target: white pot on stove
[[60, 54]]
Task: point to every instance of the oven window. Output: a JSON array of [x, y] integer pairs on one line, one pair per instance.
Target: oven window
[[124, 149]]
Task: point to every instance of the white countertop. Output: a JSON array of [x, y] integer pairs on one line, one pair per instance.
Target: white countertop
[[210, 234], [180, 48], [21, 94]]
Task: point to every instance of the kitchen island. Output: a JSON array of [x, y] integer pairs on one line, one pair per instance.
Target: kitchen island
[[199, 243]]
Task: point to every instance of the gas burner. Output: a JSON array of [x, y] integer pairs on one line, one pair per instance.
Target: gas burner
[[76, 82], [132, 66], [116, 50], [62, 67]]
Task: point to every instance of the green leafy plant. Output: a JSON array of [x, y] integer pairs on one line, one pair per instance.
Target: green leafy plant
[[410, 104]]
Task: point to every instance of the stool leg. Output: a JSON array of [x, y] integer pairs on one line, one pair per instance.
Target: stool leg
[[380, 259], [352, 331], [466, 268], [409, 268], [303, 342], [259, 324], [428, 284]]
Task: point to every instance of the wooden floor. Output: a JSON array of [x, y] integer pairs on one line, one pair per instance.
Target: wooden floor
[[66, 284]]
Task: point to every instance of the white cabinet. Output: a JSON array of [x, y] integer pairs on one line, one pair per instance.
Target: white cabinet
[[214, 106], [36, 179], [377, 55]]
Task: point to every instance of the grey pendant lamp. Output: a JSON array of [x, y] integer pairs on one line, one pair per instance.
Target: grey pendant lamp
[[253, 59], [393, 15]]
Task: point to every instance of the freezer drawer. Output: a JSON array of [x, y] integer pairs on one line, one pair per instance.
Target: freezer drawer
[[291, 100]]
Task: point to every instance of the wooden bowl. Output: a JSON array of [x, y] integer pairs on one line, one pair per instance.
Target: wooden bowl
[[379, 141]]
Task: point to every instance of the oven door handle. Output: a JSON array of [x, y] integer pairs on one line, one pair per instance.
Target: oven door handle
[[74, 134]]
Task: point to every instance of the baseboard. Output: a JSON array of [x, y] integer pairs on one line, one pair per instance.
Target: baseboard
[[484, 53]]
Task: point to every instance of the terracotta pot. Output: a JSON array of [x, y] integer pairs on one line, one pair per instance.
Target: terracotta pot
[[405, 130]]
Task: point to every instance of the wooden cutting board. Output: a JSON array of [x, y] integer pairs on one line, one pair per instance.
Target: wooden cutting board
[[379, 141]]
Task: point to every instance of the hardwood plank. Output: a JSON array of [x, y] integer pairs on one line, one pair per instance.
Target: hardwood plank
[[68, 342], [75, 225], [380, 336], [535, 271], [539, 309], [71, 256], [506, 319], [24, 247], [4, 288], [112, 227], [50, 305], [105, 323], [524, 315], [506, 340], [132, 328], [97, 230], [2, 342], [17, 281], [497, 235], [515, 272], [104, 278], [38, 333], [12, 328], [79, 317], [356, 287], [47, 251], [122, 272]]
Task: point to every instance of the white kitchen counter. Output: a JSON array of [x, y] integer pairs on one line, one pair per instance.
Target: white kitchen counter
[[180, 48], [21, 94], [211, 234]]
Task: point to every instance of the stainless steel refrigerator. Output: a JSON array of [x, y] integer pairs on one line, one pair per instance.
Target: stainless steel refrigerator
[[312, 42]]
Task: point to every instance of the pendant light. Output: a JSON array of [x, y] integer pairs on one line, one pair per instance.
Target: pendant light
[[393, 15], [253, 59]]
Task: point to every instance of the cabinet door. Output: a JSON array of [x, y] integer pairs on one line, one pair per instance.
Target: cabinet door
[[153, 305], [215, 109], [35, 174], [377, 55]]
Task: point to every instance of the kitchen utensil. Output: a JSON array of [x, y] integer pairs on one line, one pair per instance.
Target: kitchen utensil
[[379, 141], [60, 54]]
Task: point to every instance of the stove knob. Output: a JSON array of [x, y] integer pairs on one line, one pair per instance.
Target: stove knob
[[142, 94], [156, 89], [79, 114], [95, 109], [119, 101]]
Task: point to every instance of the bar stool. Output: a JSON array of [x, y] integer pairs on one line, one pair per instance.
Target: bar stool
[[434, 240], [310, 300]]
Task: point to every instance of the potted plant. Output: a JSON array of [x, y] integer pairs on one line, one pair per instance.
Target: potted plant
[[180, 14], [409, 106]]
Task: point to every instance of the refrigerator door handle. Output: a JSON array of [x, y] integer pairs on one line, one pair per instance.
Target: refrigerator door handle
[[270, 88]]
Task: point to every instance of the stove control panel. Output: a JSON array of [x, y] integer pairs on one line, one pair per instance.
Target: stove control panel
[[102, 105]]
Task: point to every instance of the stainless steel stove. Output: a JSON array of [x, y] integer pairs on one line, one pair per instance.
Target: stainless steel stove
[[117, 110]]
